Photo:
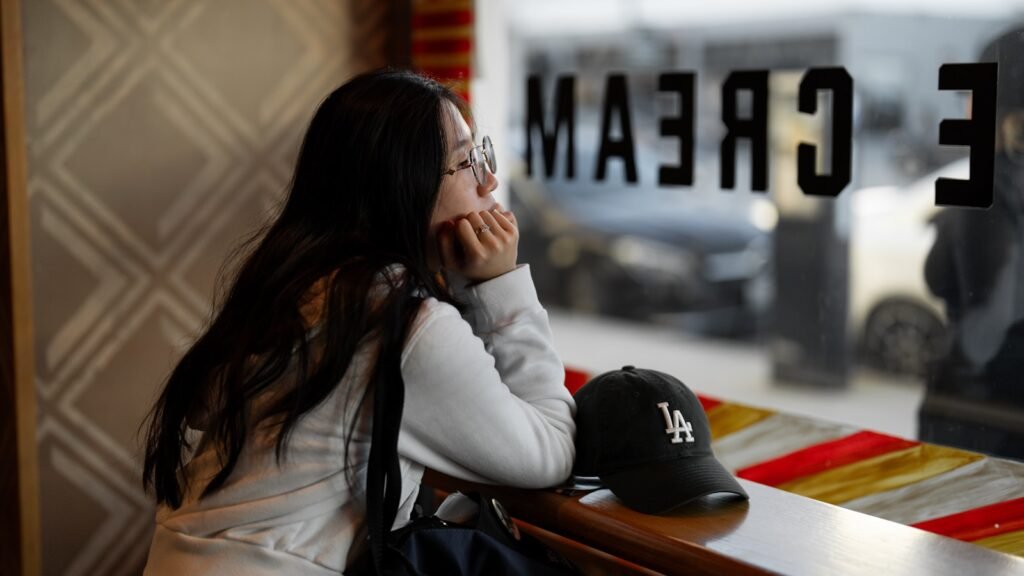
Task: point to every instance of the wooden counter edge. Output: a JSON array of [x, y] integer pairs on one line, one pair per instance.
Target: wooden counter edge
[[550, 511], [824, 536]]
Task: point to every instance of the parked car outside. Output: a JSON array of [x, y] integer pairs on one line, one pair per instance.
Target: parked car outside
[[897, 323], [690, 258]]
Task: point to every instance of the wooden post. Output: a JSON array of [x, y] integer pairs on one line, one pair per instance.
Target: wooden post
[[19, 476]]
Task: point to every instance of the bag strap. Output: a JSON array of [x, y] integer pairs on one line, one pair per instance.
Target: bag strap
[[383, 475]]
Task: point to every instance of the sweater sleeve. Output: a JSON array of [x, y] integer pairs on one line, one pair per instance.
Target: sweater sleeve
[[491, 405]]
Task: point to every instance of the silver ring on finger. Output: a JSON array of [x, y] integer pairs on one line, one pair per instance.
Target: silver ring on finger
[[482, 228]]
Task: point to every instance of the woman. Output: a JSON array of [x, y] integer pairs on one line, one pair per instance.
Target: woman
[[390, 264]]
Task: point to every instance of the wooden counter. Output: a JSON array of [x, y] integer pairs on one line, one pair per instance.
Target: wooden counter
[[775, 532]]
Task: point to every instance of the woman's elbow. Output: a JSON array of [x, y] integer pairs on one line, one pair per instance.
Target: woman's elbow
[[553, 468]]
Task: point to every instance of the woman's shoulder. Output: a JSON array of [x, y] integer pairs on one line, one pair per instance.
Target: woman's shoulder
[[433, 321], [431, 310]]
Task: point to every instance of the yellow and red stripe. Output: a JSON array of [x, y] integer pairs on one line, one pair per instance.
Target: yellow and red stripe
[[822, 457], [999, 526], [707, 402]]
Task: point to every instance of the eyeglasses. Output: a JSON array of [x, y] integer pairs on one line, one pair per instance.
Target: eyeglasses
[[479, 156]]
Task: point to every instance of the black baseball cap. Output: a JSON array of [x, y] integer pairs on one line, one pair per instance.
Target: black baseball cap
[[645, 434]]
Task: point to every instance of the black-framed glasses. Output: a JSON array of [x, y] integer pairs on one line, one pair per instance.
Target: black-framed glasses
[[479, 157]]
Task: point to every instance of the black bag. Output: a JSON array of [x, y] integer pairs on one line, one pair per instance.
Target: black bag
[[430, 546]]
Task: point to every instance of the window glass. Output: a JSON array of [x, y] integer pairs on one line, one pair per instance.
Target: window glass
[[774, 248]]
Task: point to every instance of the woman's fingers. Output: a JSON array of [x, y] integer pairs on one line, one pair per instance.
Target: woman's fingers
[[494, 228], [467, 235], [506, 213], [504, 221]]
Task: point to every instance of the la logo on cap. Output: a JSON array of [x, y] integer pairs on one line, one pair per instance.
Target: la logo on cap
[[675, 424]]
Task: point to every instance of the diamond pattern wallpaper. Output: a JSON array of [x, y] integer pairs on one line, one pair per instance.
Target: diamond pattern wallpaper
[[160, 133]]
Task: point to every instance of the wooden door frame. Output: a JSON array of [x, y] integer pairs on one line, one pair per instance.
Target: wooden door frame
[[19, 474]]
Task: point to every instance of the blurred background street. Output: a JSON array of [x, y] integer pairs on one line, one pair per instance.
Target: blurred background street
[[737, 371]]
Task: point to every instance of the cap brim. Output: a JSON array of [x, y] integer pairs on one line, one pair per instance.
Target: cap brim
[[661, 486]]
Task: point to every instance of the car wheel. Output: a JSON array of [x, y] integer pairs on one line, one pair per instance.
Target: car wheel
[[903, 338]]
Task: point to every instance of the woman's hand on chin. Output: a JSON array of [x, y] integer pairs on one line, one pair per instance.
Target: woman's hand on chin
[[481, 245]]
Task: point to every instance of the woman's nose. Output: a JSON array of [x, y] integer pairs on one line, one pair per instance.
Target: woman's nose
[[490, 183]]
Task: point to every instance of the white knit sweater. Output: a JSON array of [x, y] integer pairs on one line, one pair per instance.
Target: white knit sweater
[[484, 401]]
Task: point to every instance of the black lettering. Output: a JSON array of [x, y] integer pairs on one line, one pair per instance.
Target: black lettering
[[565, 113], [616, 98], [978, 133], [755, 128], [839, 82], [680, 127]]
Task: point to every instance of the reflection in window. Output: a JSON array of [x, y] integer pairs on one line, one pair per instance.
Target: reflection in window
[[831, 293]]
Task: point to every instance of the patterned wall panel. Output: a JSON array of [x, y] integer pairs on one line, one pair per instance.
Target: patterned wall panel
[[160, 132]]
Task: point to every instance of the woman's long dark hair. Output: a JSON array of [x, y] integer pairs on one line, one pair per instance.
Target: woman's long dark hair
[[361, 199]]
